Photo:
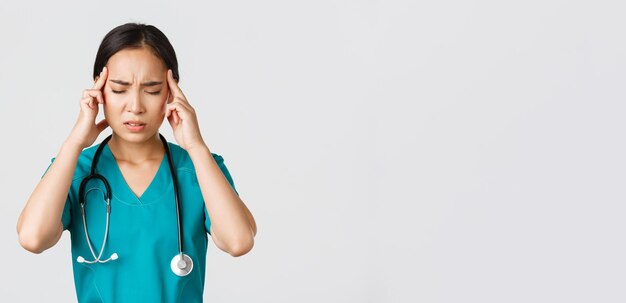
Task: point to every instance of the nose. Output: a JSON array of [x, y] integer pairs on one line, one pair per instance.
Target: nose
[[135, 104]]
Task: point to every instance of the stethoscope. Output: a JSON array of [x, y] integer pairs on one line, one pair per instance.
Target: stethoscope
[[181, 264]]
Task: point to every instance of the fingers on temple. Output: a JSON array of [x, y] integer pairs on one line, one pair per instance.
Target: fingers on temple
[[99, 84], [175, 91]]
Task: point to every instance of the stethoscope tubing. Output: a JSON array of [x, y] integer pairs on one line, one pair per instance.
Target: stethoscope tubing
[[106, 231], [181, 264], [175, 182]]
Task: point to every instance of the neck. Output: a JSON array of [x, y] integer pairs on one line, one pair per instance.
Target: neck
[[136, 152]]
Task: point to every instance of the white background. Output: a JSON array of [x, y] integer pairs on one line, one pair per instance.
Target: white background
[[390, 151]]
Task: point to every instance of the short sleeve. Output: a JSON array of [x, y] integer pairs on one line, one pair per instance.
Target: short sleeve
[[220, 162], [66, 216]]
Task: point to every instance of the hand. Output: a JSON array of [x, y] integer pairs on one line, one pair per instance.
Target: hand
[[182, 117], [86, 131]]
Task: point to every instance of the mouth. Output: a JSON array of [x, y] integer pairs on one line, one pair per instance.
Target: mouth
[[134, 123], [135, 126]]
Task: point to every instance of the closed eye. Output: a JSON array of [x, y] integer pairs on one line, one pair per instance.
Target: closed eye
[[121, 91]]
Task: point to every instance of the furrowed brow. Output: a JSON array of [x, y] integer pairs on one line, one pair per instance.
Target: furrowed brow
[[149, 83], [120, 82]]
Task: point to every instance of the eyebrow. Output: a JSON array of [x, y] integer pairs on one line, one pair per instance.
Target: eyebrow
[[149, 83]]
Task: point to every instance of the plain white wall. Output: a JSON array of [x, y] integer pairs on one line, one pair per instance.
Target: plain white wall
[[391, 151]]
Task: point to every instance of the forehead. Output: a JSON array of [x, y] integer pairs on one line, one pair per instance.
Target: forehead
[[135, 62]]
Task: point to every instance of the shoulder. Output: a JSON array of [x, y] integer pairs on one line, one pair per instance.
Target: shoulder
[[182, 160], [83, 165]]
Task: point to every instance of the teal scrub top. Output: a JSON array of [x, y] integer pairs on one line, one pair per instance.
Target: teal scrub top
[[142, 231]]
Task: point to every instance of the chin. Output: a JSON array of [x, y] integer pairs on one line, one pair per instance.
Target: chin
[[135, 137]]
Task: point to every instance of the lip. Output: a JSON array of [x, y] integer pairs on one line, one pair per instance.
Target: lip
[[139, 126], [134, 122]]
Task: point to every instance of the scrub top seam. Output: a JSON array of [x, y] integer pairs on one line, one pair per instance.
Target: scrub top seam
[[94, 281], [182, 289], [141, 203]]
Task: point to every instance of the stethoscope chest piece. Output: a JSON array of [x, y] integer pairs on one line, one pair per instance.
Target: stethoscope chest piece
[[181, 264]]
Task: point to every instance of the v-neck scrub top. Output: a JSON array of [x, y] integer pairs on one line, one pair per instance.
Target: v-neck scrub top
[[142, 231]]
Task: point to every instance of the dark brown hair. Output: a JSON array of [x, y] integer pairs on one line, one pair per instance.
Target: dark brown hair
[[136, 35]]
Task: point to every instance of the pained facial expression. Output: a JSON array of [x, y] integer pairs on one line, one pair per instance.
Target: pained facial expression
[[136, 90]]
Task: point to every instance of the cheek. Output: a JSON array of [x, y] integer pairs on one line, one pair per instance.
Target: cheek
[[162, 104], [108, 112], [111, 106], [110, 97]]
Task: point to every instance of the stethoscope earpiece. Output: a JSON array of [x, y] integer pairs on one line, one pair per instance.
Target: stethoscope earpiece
[[80, 259]]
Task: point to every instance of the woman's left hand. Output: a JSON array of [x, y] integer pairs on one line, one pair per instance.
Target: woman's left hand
[[182, 117]]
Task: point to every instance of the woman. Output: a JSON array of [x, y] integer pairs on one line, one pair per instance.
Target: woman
[[134, 253]]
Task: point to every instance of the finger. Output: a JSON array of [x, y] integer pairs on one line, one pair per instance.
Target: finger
[[87, 101], [94, 94], [177, 117], [175, 91], [183, 105], [171, 119], [177, 112], [169, 110], [172, 114], [102, 78], [178, 109]]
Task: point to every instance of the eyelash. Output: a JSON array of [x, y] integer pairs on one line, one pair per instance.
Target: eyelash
[[121, 91]]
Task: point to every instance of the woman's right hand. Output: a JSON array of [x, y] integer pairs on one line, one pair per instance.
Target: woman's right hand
[[86, 131]]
